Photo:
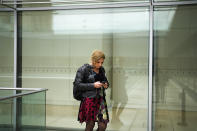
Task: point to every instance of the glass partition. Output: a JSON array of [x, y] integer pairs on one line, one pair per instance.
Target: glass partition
[[6, 49], [29, 111], [34, 112], [56, 43], [1, 6], [4, 93], [175, 92], [6, 115], [130, 70]]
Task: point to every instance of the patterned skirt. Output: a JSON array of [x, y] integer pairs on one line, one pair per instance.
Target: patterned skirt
[[93, 109]]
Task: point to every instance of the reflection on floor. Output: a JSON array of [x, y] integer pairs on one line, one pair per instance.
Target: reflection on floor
[[65, 118], [169, 120]]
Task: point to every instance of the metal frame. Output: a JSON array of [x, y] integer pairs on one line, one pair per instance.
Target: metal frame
[[15, 71], [1, 3], [15, 48], [23, 89], [11, 2], [91, 6], [6, 9], [150, 68], [150, 4], [87, 6], [85, 2]]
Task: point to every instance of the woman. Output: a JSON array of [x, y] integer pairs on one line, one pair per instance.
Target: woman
[[92, 82]]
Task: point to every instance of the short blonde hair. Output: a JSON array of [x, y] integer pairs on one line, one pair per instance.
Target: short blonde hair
[[97, 55]]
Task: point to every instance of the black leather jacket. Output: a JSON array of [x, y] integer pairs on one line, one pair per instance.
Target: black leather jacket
[[84, 80]]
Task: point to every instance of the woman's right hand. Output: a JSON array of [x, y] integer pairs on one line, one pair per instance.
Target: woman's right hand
[[97, 84]]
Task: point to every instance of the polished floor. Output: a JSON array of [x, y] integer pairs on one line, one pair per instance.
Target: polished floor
[[65, 118]]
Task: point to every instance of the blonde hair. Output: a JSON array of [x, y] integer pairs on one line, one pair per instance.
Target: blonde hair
[[97, 55]]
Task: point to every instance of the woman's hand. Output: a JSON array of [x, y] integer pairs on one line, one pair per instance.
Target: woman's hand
[[105, 85], [98, 84]]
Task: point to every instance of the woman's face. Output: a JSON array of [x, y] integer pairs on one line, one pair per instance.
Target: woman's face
[[99, 63]]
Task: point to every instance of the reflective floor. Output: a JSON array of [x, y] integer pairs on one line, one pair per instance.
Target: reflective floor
[[67, 119], [133, 119]]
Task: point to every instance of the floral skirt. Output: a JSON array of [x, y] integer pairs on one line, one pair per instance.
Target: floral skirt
[[93, 109]]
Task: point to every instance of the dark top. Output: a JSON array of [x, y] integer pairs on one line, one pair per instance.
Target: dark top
[[85, 79], [98, 77]]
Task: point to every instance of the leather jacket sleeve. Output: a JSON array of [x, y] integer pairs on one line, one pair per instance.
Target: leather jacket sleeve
[[80, 82]]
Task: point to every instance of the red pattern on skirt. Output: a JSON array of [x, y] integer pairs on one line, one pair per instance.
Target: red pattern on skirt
[[89, 110]]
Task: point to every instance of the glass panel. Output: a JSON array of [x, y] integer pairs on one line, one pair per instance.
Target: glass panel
[[34, 112], [130, 67], [6, 115], [1, 6], [175, 91], [4, 93], [10, 6], [56, 43], [30, 112], [6, 49]]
